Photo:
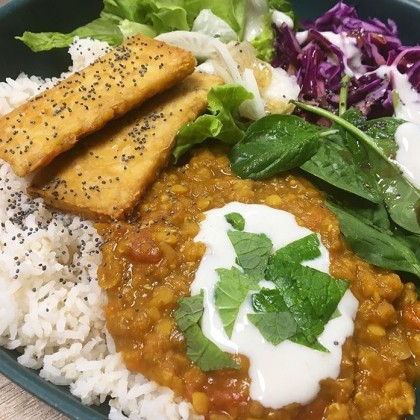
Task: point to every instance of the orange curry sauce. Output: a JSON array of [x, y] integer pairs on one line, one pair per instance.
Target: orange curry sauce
[[149, 263]]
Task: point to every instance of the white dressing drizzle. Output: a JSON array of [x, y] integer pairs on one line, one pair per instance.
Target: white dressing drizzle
[[407, 137], [279, 18], [347, 44], [281, 374], [254, 25]]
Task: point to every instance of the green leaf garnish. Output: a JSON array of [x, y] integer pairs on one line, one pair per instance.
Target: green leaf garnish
[[253, 250], [231, 291], [311, 296], [189, 312], [268, 300], [275, 327], [236, 220], [204, 353], [303, 249]]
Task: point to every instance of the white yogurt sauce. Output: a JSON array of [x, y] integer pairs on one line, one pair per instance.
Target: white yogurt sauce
[[281, 374]]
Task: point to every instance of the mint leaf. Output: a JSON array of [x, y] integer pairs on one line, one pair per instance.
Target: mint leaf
[[189, 312], [236, 220], [275, 327], [310, 295], [205, 354], [253, 250], [304, 249], [268, 300], [231, 290]]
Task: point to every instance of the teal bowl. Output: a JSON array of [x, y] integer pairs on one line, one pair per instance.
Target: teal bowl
[[52, 15]]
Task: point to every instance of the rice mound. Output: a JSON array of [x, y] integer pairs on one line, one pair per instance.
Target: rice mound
[[50, 301]]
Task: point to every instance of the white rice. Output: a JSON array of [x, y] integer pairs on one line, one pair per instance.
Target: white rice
[[50, 301]]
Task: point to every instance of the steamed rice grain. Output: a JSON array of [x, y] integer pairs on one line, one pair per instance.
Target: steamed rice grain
[[50, 302]]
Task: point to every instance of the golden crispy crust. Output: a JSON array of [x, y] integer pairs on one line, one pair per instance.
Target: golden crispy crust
[[53, 121], [103, 177]]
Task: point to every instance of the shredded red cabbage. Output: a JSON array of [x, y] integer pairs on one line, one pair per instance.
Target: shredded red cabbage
[[319, 65]]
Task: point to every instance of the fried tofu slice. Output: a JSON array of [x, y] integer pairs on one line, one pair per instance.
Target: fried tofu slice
[[53, 121], [103, 177]]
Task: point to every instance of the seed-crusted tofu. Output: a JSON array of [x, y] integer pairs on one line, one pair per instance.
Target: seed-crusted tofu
[[103, 177], [53, 121]]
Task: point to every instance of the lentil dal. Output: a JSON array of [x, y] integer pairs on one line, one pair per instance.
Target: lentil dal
[[150, 262]]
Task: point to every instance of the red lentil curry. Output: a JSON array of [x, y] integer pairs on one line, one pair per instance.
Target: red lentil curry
[[150, 262]]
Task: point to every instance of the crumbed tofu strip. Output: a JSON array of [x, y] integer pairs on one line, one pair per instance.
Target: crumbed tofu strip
[[53, 121], [103, 177]]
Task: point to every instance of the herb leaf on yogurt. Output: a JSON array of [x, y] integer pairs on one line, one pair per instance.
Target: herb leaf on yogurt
[[203, 352], [303, 249], [252, 250], [302, 299], [311, 296], [236, 220], [275, 327], [231, 291]]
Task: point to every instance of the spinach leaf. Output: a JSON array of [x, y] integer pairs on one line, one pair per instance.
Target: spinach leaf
[[374, 244], [230, 292], [374, 214], [222, 121], [236, 220], [382, 131], [409, 239], [335, 164], [204, 353], [268, 300], [275, 327], [273, 144], [303, 249], [253, 250], [401, 198]]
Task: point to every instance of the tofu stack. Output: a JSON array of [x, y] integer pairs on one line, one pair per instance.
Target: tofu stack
[[103, 177], [110, 162]]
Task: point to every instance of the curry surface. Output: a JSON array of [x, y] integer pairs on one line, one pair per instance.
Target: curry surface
[[149, 263]]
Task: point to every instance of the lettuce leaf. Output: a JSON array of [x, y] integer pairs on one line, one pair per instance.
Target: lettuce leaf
[[120, 19], [102, 29], [264, 43], [231, 11], [221, 122]]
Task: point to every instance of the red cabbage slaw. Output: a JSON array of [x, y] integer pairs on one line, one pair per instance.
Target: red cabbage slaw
[[319, 64]]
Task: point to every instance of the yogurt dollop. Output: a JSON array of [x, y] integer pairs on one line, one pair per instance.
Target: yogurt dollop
[[280, 374]]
